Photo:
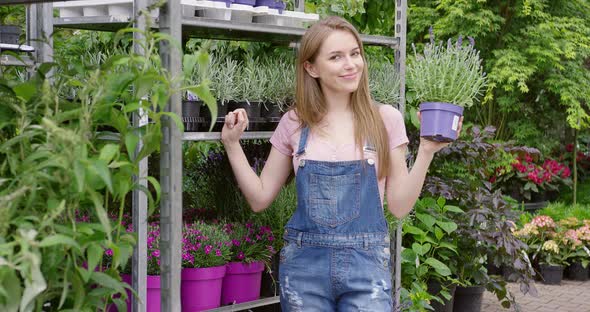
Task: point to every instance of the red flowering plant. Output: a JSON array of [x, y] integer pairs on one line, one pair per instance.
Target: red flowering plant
[[205, 245], [526, 176], [582, 157], [250, 243]]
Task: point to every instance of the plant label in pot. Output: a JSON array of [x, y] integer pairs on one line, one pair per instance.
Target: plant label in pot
[[440, 121]]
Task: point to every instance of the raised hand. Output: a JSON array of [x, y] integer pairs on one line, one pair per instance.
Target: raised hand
[[235, 124]]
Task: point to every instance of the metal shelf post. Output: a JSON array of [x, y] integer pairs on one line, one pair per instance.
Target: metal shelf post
[[401, 7], [171, 165]]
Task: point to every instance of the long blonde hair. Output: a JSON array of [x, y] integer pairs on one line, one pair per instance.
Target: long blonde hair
[[310, 104]]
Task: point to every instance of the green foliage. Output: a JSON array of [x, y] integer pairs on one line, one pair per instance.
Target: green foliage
[[559, 211], [430, 242], [63, 156], [535, 52]]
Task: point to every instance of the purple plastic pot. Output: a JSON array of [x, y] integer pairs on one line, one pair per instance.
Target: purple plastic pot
[[273, 4], [241, 282], [245, 2], [227, 2], [153, 293], [201, 288], [440, 121]]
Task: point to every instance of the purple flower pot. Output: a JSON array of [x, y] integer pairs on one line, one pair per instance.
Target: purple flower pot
[[201, 288], [440, 121], [273, 4], [227, 2], [245, 2], [153, 293], [241, 282]]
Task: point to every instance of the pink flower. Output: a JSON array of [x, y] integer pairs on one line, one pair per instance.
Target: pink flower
[[240, 255], [156, 253], [218, 252], [543, 222], [109, 252]]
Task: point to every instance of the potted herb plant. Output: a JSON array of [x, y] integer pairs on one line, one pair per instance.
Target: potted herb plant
[[279, 90], [205, 252], [384, 83], [251, 82], [445, 79], [251, 249], [223, 86]]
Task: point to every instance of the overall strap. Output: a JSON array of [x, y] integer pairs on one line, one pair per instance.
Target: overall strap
[[303, 141]]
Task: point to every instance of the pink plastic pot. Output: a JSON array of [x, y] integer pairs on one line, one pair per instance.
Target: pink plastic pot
[[241, 282], [200, 288]]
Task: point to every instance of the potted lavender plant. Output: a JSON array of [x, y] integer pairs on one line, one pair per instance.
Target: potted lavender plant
[[446, 79]]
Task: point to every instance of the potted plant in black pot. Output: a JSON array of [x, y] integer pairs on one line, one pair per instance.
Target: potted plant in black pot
[[445, 80], [430, 253], [280, 88], [196, 69], [485, 230], [251, 83], [223, 86]]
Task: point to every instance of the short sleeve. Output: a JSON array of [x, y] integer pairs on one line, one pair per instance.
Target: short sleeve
[[394, 124], [281, 139]]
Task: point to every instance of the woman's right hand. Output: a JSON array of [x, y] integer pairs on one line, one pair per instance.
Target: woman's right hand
[[235, 124]]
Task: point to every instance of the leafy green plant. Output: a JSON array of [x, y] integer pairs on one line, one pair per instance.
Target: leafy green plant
[[62, 156], [430, 241], [451, 73]]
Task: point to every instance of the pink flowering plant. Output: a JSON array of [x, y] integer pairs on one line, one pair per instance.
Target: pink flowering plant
[[250, 243], [205, 245], [545, 242], [578, 243], [527, 176]]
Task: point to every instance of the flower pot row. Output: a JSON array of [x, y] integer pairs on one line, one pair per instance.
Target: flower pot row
[[270, 12], [262, 116], [554, 274], [208, 288]]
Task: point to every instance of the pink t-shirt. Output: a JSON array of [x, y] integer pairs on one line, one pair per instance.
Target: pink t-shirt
[[286, 140]]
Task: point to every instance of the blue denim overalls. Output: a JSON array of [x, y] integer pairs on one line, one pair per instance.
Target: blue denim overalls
[[336, 254]]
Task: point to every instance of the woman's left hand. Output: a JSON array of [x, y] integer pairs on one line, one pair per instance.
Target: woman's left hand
[[432, 147]]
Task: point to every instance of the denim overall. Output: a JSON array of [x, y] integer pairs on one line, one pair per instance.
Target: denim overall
[[336, 254]]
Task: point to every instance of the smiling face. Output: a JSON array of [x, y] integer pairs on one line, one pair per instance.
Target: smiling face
[[338, 64]]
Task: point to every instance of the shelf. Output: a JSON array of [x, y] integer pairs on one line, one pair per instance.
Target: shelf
[[101, 23], [213, 29], [10, 60], [219, 29], [248, 305], [210, 136]]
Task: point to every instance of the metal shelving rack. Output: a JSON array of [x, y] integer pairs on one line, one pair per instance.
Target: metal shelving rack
[[40, 25]]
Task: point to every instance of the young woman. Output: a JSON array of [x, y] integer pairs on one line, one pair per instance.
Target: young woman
[[347, 153]]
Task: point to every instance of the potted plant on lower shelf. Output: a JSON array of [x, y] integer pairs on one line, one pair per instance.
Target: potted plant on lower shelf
[[445, 79], [205, 253], [251, 249], [153, 272]]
